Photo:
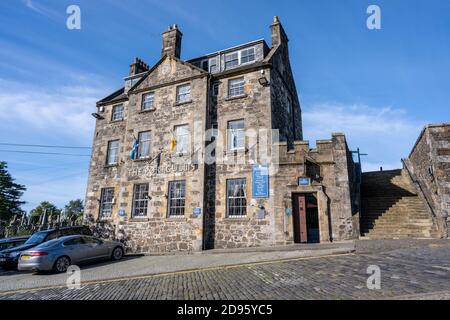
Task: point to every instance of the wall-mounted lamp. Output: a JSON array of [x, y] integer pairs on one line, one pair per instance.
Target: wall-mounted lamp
[[263, 81], [97, 116]]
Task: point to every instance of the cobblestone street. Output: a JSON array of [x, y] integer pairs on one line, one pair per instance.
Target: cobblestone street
[[416, 272]]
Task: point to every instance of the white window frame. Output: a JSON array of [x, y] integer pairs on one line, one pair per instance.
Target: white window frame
[[115, 113], [148, 143], [236, 90], [250, 61], [183, 139], [236, 203], [106, 202], [144, 104], [112, 158], [238, 60], [176, 201], [235, 136], [184, 96], [216, 64], [140, 199]]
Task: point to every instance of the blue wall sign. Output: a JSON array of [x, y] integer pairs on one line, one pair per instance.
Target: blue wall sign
[[304, 181], [197, 211], [121, 213], [288, 211], [260, 181]]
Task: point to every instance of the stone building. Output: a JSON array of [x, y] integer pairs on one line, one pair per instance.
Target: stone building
[[209, 153], [429, 165]]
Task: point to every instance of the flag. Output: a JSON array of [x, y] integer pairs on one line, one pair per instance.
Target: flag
[[134, 149], [173, 144]]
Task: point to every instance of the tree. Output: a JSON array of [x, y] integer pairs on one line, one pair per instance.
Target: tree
[[74, 209], [46, 207], [10, 194]]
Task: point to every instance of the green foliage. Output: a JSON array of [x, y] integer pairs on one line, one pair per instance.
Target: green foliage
[[10, 194], [47, 207], [74, 209]]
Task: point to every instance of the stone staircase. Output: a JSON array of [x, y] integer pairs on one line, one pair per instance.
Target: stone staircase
[[391, 209]]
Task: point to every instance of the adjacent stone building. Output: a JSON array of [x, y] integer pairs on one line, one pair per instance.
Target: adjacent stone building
[[429, 165], [209, 153]]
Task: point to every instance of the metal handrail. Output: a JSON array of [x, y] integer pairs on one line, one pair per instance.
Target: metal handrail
[[415, 181]]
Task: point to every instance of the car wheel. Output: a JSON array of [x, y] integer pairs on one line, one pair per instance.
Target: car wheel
[[62, 264], [117, 253]]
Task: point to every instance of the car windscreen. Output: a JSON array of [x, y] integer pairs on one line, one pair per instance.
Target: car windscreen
[[36, 238]]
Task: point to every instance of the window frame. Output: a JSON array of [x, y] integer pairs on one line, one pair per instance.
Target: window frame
[[108, 152], [105, 192], [143, 202], [215, 65], [180, 207], [113, 112], [188, 139], [241, 201], [237, 53], [186, 94], [248, 55], [149, 141], [235, 132], [143, 102], [239, 89]]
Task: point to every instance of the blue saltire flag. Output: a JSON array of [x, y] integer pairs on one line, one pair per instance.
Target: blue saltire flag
[[134, 149]]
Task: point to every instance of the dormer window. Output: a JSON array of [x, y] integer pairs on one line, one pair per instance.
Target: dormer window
[[231, 60], [213, 65], [247, 55], [147, 101]]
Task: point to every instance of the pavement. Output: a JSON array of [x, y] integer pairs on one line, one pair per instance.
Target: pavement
[[410, 269]]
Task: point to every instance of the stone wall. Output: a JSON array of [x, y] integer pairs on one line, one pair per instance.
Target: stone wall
[[429, 163], [152, 232]]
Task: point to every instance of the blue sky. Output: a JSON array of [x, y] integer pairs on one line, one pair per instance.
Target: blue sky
[[380, 87]]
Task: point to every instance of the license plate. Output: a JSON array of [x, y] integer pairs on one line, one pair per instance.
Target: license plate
[[25, 257], [2, 260]]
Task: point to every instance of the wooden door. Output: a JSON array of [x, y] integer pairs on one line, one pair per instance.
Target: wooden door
[[299, 215]]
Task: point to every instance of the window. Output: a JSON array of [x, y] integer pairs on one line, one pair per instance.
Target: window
[[113, 152], [213, 65], [117, 113], [231, 60], [236, 87], [144, 145], [140, 200], [247, 55], [289, 106], [177, 192], [106, 202], [182, 137], [147, 101], [74, 242], [183, 93], [236, 135], [236, 198]]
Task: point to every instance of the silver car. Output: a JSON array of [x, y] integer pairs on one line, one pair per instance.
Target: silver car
[[59, 254]]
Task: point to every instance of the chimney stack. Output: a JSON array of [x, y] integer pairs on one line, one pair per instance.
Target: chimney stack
[[138, 66], [278, 35], [171, 42]]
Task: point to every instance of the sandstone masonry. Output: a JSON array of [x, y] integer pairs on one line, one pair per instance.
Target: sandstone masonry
[[151, 185]]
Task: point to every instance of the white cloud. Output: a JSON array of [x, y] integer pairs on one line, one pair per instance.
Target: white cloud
[[65, 110], [387, 134], [41, 9]]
